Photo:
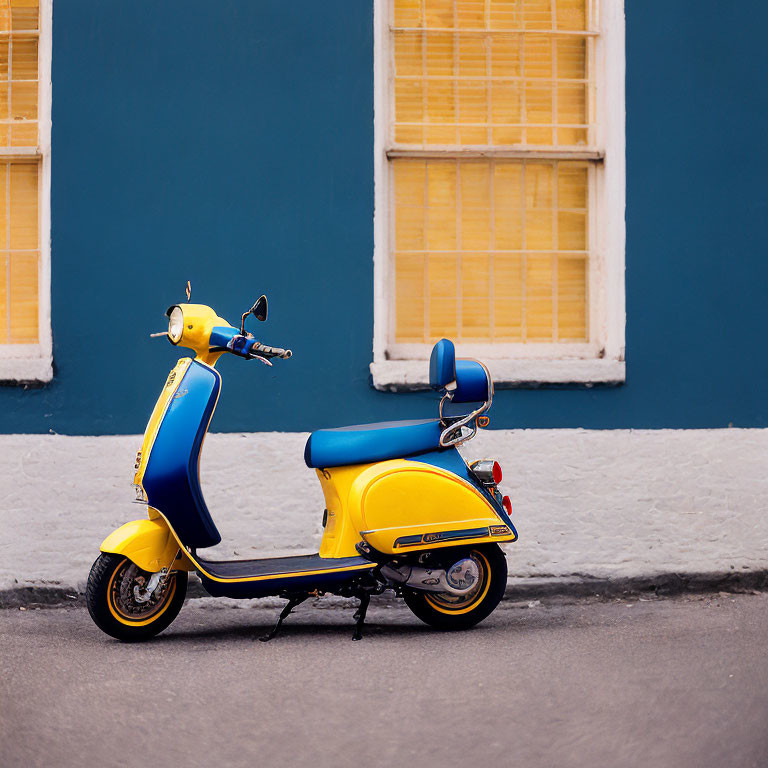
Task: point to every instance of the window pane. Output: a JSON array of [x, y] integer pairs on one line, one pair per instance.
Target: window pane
[[23, 14], [492, 72], [491, 250], [4, 46], [23, 284], [410, 297], [19, 249], [440, 206], [19, 185], [475, 288], [24, 58], [571, 14], [18, 73], [408, 13], [410, 181], [470, 14], [571, 294]]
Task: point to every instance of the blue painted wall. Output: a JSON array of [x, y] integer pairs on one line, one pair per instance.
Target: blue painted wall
[[231, 143]]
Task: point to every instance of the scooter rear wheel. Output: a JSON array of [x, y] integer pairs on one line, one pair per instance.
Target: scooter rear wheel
[[449, 612], [112, 602]]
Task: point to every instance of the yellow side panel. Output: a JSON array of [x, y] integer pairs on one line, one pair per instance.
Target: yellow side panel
[[411, 499], [148, 543], [389, 500], [341, 532]]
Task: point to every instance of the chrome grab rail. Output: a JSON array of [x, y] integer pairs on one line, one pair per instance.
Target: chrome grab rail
[[446, 441]]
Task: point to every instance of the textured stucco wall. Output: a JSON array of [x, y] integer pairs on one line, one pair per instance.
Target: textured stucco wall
[[598, 503], [142, 200]]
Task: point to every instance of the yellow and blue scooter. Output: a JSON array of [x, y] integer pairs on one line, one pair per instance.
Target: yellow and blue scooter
[[403, 509]]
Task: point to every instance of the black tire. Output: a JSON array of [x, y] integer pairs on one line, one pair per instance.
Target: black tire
[[127, 620], [448, 613]]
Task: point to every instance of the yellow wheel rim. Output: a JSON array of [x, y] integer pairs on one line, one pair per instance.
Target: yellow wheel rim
[[475, 600], [153, 613]]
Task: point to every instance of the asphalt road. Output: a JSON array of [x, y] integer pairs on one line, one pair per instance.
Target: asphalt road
[[670, 682]]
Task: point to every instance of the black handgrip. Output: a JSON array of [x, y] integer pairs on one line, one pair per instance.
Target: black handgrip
[[268, 352]]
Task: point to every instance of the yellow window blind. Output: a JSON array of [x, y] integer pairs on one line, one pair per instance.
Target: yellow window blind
[[492, 72], [491, 250], [19, 177], [488, 248]]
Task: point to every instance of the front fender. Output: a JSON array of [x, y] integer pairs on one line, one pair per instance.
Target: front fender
[[148, 543]]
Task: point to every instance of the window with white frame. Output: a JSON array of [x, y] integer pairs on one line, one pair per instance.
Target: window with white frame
[[499, 216], [25, 108]]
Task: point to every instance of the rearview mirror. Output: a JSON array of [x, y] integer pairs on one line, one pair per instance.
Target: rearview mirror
[[258, 310]]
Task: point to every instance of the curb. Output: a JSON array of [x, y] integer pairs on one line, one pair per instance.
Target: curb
[[18, 597], [577, 585], [663, 584]]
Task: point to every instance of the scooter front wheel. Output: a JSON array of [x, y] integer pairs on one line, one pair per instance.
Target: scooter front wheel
[[450, 612], [117, 605]]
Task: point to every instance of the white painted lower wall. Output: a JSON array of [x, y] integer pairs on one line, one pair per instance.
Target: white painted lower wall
[[596, 503]]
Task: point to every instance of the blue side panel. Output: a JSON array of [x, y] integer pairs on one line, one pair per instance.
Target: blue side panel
[[171, 478], [451, 460]]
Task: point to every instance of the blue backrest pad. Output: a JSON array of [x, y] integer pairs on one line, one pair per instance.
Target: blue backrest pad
[[471, 382], [442, 364]]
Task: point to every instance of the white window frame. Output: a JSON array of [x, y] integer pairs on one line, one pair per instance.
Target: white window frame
[[402, 366], [20, 363]]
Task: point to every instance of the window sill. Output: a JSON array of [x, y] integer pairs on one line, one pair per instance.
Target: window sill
[[23, 370], [411, 375]]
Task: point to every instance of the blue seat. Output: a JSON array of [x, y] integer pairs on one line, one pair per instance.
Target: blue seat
[[366, 443], [466, 381]]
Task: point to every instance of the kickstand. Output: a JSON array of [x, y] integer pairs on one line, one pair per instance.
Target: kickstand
[[365, 598], [292, 603]]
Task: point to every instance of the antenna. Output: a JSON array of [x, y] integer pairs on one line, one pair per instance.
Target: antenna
[[188, 291]]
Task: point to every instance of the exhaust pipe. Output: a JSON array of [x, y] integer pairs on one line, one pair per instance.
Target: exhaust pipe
[[459, 579]]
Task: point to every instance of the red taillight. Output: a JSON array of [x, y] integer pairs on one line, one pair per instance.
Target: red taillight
[[507, 504], [487, 472]]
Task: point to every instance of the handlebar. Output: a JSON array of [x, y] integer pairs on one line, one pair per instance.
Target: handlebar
[[227, 339], [262, 350]]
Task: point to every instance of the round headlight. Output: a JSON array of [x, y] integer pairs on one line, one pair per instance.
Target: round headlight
[[175, 325]]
